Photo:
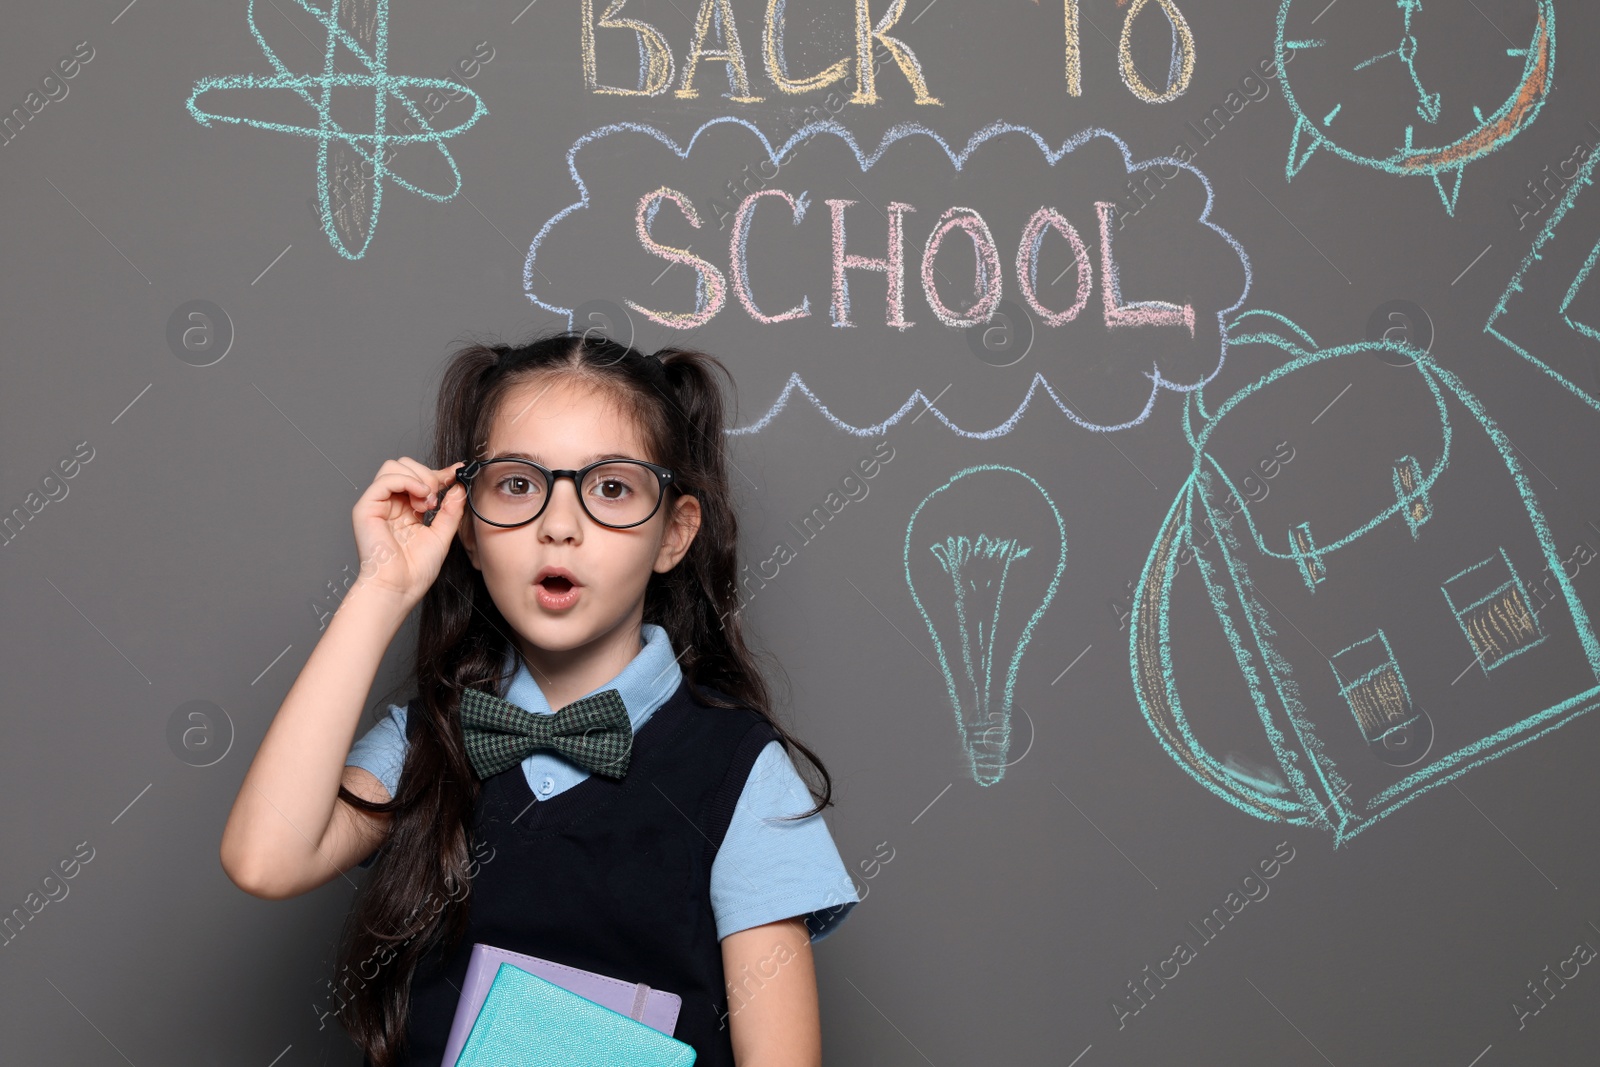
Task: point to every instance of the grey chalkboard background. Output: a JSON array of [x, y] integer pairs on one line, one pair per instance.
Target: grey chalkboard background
[[161, 599]]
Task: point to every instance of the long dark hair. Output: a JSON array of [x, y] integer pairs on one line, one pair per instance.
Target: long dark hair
[[419, 889]]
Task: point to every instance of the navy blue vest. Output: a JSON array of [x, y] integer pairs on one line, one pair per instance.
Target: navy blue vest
[[609, 875]]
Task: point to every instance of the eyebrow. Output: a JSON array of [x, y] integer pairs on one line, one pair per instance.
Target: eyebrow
[[582, 463]]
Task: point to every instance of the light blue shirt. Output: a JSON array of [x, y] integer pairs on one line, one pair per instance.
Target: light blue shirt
[[767, 868]]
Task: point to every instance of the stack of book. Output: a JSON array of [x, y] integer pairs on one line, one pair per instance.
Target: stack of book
[[529, 1012]]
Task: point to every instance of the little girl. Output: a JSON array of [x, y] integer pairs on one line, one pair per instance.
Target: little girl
[[585, 556]]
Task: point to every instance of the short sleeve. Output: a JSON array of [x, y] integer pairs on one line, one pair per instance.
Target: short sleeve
[[382, 751], [770, 868]]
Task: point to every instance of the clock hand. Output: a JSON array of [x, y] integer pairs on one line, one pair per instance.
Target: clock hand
[[1368, 62], [1407, 51], [1428, 104]]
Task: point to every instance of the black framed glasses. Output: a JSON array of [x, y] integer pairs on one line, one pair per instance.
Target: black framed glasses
[[617, 493]]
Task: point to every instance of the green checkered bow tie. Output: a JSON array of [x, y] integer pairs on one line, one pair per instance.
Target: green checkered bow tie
[[593, 732]]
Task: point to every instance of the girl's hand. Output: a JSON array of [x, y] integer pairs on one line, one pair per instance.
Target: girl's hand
[[399, 554]]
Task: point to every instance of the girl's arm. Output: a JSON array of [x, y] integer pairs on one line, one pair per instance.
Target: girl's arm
[[289, 832], [772, 996]]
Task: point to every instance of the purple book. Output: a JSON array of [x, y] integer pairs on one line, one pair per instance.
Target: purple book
[[655, 1008]]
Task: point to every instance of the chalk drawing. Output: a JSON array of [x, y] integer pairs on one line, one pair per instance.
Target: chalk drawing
[[973, 225], [1042, 221], [1181, 70], [1074, 52], [1120, 314], [717, 15], [1378, 697], [714, 21], [712, 287], [772, 35], [655, 54], [868, 32], [1415, 150], [739, 265], [974, 572], [1541, 251], [1500, 623], [1326, 780], [317, 90], [892, 264], [1139, 312]]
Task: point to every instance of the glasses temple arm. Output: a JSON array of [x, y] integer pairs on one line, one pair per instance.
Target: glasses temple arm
[[429, 515]]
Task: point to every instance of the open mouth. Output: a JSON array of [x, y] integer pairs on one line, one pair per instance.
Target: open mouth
[[557, 592]]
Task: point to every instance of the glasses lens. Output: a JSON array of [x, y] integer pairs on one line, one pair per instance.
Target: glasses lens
[[621, 494], [507, 491]]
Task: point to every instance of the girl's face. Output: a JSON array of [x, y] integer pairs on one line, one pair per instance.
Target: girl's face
[[564, 424]]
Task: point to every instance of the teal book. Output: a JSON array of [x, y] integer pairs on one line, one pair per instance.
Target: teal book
[[529, 1022]]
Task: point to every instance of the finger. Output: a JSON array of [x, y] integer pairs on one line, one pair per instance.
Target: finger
[[445, 478], [421, 471], [386, 488], [440, 479], [408, 483], [403, 465], [447, 474], [450, 503]]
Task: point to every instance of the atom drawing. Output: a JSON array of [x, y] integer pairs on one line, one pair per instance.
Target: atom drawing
[[338, 149]]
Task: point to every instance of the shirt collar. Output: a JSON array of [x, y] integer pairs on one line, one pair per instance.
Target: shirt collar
[[644, 684]]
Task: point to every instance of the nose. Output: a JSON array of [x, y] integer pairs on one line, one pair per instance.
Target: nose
[[563, 515]]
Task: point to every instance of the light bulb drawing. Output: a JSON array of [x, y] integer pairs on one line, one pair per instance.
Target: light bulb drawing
[[983, 574]]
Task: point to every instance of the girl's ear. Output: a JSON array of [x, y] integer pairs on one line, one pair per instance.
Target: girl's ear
[[468, 533], [682, 525]]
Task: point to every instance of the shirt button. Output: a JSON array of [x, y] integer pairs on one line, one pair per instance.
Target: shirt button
[[546, 786]]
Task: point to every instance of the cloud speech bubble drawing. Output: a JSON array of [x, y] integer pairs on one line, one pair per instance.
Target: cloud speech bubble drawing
[[1020, 236]]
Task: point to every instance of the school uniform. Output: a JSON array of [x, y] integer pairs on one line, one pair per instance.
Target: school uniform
[[638, 877]]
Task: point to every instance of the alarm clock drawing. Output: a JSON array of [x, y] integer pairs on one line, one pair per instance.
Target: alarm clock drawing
[[1410, 90]]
